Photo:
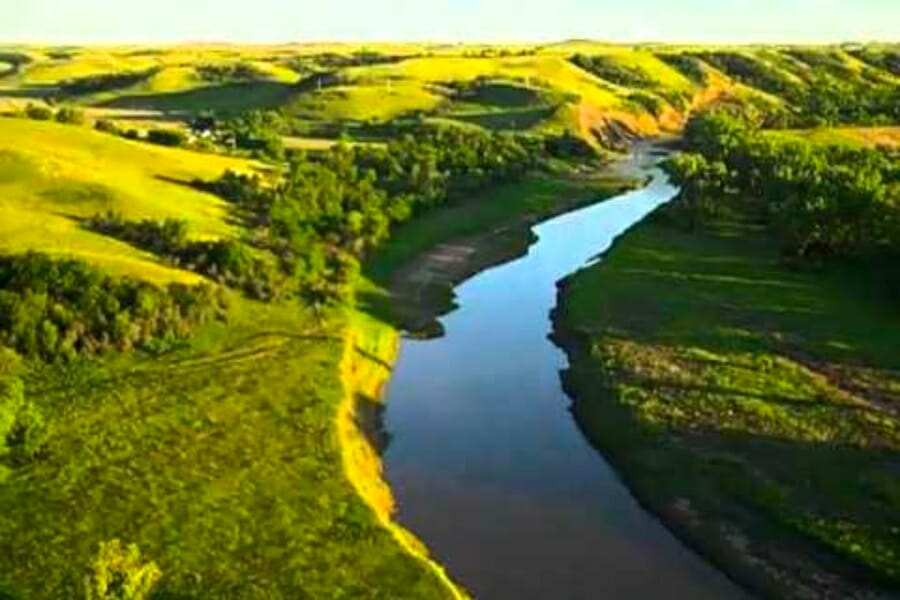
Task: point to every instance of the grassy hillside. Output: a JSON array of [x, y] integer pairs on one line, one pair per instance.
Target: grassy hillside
[[64, 174], [867, 136], [639, 89]]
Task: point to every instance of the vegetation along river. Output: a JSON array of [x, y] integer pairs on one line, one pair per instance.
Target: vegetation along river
[[486, 462]]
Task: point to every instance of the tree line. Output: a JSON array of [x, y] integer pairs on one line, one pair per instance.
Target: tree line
[[104, 82], [230, 262], [56, 309], [821, 201], [330, 209]]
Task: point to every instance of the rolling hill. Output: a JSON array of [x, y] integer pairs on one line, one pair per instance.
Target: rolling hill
[[600, 92], [65, 174]]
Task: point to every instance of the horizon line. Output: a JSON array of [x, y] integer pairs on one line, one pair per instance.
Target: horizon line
[[438, 42]]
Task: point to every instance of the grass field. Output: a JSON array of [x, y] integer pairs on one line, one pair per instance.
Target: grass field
[[754, 407], [221, 461]]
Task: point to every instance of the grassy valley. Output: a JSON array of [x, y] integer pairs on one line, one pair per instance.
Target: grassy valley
[[206, 259]]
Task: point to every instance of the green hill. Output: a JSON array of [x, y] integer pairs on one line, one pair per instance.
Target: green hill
[[619, 89], [65, 174]]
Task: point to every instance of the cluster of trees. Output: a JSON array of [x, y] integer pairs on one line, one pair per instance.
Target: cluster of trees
[[649, 102], [824, 92], [226, 261], [330, 209], [65, 114], [104, 82], [751, 71], [15, 60], [822, 201], [173, 138], [259, 132], [229, 72], [830, 100], [607, 68], [57, 309], [362, 58]]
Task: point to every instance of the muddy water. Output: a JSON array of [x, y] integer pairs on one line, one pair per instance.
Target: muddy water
[[485, 460]]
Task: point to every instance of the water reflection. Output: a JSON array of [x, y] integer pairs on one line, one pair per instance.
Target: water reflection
[[486, 463]]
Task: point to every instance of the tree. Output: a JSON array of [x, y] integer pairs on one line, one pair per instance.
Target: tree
[[70, 115], [38, 112], [166, 137], [700, 181]]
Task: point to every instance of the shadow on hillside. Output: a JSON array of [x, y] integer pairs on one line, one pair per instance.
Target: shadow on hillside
[[506, 120], [227, 98], [35, 92]]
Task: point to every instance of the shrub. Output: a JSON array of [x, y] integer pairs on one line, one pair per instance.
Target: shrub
[[166, 137], [39, 112], [106, 126], [120, 573], [70, 115]]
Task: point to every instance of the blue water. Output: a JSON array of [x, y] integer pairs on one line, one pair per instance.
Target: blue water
[[486, 462]]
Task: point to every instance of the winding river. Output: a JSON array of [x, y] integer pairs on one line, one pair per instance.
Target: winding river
[[486, 462]]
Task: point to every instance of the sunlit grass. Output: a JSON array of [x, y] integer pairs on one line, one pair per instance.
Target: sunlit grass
[[758, 395]]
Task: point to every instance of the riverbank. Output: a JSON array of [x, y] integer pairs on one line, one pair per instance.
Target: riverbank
[[410, 280], [751, 407], [492, 228], [220, 461]]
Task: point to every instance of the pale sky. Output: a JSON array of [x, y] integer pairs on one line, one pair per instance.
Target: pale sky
[[167, 21]]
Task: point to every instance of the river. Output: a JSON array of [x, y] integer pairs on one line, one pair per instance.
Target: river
[[485, 460]]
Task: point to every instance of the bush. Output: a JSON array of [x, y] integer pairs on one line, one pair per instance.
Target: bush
[[39, 112], [106, 126], [167, 137], [120, 573], [22, 429], [70, 115]]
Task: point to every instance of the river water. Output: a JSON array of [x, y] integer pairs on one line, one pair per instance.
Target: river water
[[485, 460]]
